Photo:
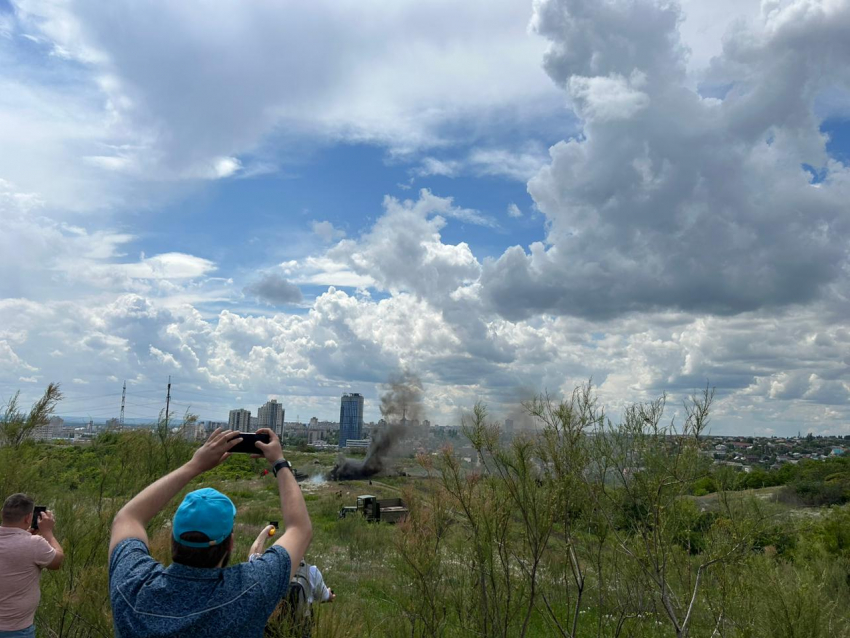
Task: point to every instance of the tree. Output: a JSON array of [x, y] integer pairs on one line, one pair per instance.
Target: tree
[[16, 426], [588, 522], [422, 576]]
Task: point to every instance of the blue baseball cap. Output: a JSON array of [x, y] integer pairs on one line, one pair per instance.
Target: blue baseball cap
[[207, 511]]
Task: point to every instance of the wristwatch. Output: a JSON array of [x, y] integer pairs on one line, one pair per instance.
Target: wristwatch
[[283, 463]]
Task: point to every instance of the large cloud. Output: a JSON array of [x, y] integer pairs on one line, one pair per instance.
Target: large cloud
[[404, 250], [671, 200], [786, 373], [780, 371], [179, 91]]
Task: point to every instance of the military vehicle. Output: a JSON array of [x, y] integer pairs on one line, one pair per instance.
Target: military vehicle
[[387, 510]]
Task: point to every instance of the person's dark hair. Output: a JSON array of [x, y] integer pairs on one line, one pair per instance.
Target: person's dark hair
[[206, 557], [16, 508]]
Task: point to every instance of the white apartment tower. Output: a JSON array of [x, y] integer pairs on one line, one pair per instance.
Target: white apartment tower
[[50, 430], [271, 416], [239, 420]]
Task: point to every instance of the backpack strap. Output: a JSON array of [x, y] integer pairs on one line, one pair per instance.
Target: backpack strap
[[299, 594]]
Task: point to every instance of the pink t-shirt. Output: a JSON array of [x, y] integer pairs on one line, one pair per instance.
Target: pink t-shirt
[[22, 557]]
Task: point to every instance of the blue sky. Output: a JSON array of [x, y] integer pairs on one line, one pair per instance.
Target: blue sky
[[496, 197], [344, 185]]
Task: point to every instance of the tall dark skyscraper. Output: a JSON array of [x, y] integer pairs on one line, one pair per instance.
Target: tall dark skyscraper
[[350, 418]]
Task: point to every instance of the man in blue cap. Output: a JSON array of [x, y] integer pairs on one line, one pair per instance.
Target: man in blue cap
[[196, 595]]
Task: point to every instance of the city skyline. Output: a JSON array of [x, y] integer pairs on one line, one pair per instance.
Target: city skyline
[[325, 412]]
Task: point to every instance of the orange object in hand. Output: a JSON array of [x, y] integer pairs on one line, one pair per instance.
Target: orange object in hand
[[272, 531]]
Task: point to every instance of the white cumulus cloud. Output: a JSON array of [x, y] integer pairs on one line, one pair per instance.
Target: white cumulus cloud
[[669, 200]]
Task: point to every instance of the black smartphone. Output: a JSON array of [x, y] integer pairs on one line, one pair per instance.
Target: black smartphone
[[36, 513], [246, 445]]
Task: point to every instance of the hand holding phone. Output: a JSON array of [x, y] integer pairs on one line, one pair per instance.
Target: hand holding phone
[[270, 448], [246, 445], [36, 514]]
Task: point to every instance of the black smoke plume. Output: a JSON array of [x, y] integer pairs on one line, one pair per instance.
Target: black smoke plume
[[402, 398], [382, 442], [400, 404]]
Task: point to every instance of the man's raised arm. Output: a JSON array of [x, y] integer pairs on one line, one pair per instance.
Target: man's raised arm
[[299, 530], [131, 520]]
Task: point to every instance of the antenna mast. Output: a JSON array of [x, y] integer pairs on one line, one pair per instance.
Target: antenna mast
[[167, 401], [123, 397]]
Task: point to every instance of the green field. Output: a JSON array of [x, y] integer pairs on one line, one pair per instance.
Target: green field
[[563, 534]]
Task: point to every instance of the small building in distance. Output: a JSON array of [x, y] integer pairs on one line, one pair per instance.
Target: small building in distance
[[358, 444], [210, 426], [193, 431], [320, 430], [295, 429]]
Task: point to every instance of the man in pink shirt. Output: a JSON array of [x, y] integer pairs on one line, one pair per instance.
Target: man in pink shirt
[[24, 552]]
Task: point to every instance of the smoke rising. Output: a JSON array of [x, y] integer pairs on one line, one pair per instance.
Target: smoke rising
[[382, 442], [400, 404], [513, 408], [521, 419], [403, 398]]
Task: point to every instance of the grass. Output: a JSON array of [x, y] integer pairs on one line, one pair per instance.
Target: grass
[[358, 559]]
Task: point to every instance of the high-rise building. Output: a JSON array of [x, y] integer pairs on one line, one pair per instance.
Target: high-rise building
[[50, 430], [270, 416], [350, 418], [239, 420]]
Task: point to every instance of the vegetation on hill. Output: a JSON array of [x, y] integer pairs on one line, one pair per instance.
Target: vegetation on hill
[[808, 482], [589, 529]]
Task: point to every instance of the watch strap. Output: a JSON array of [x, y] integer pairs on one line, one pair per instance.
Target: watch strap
[[283, 463]]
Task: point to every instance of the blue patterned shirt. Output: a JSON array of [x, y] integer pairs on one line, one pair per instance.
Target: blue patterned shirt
[[152, 601]]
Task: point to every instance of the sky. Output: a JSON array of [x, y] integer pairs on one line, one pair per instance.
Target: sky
[[497, 197]]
